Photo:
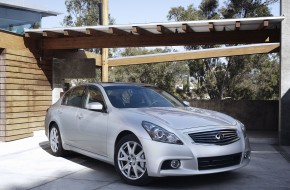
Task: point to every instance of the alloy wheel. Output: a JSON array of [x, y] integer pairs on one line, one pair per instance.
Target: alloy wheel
[[131, 160], [54, 139]]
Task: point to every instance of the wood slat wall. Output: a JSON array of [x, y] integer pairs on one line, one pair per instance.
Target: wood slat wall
[[25, 93]]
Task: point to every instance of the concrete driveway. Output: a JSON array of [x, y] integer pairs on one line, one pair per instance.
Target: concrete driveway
[[28, 164]]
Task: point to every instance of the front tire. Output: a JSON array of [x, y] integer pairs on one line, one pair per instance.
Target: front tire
[[55, 141], [130, 161]]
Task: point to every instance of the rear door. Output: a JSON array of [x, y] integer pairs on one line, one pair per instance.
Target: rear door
[[72, 102]]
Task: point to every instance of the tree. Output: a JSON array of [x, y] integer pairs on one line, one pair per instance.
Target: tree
[[163, 75], [236, 76], [202, 70], [83, 13], [246, 8]]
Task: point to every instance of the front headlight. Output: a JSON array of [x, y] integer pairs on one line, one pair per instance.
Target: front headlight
[[243, 129], [159, 134]]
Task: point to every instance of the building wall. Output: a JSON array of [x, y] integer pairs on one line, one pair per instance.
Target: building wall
[[25, 93], [254, 114], [284, 128]]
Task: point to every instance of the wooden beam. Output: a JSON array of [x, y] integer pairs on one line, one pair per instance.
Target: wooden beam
[[117, 31], [186, 28], [76, 54], [196, 38], [105, 51], [93, 32], [211, 27], [162, 29], [51, 34], [73, 33], [139, 30], [263, 25], [238, 25], [32, 35], [198, 54]]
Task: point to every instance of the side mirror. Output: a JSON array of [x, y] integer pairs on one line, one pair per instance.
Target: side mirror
[[96, 106], [186, 103]]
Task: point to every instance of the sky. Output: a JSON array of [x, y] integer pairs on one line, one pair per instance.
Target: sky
[[124, 11]]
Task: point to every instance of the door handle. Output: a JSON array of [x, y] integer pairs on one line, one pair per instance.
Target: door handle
[[80, 116]]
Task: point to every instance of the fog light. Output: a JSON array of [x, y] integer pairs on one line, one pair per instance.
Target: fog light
[[247, 154], [175, 164]]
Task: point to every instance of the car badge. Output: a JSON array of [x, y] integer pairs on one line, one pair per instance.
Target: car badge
[[219, 136]]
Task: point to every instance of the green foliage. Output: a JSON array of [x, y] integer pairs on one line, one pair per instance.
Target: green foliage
[[182, 14], [208, 9], [163, 75], [238, 77], [82, 13], [246, 8]]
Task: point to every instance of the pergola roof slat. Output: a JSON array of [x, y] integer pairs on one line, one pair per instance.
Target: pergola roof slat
[[163, 29], [70, 32], [117, 31], [141, 31], [263, 25], [186, 28], [93, 32], [51, 34]]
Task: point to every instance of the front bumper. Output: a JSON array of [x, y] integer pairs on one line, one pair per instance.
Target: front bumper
[[157, 153]]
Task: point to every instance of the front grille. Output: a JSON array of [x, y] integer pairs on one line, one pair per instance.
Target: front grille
[[207, 163], [218, 137]]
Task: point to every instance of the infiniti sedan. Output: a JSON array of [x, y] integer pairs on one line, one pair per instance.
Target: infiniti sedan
[[145, 132]]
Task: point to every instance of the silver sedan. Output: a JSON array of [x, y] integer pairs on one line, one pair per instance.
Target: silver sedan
[[145, 132]]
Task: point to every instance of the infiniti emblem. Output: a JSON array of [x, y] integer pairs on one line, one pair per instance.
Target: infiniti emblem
[[219, 136]]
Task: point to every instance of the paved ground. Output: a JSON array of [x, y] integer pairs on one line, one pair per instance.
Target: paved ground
[[28, 164]]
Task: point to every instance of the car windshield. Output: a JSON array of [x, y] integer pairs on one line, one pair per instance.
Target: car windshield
[[140, 97]]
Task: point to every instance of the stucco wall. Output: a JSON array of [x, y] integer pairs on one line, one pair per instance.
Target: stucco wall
[[255, 114]]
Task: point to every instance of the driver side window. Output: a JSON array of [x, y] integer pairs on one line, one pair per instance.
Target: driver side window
[[94, 95]]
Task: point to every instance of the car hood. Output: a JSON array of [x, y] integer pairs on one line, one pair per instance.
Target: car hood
[[182, 118]]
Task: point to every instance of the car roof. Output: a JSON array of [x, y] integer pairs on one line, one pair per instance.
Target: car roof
[[105, 84]]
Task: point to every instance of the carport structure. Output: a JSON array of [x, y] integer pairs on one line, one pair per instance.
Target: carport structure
[[41, 45]]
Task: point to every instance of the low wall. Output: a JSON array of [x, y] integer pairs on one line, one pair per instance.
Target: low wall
[[255, 114]]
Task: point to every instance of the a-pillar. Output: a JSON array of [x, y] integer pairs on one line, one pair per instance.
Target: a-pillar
[[284, 125]]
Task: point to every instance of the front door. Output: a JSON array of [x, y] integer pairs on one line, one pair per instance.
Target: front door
[[92, 125]]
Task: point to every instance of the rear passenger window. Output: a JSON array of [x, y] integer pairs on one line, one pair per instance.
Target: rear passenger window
[[65, 98], [75, 98]]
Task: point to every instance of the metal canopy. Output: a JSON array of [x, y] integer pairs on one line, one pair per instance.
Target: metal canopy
[[19, 6], [231, 31]]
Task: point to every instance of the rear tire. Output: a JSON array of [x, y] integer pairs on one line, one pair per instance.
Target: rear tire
[[55, 141], [130, 161]]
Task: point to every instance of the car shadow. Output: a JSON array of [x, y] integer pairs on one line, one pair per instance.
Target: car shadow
[[184, 182], [81, 159]]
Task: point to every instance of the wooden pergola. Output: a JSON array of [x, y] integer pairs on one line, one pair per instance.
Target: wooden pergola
[[26, 74], [263, 31]]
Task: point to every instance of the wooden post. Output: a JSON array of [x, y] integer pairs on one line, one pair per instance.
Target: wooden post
[[105, 52]]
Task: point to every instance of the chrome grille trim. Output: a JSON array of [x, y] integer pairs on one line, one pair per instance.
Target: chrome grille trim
[[217, 137]]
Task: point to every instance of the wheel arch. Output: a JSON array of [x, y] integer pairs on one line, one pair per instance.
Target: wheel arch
[[121, 135]]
